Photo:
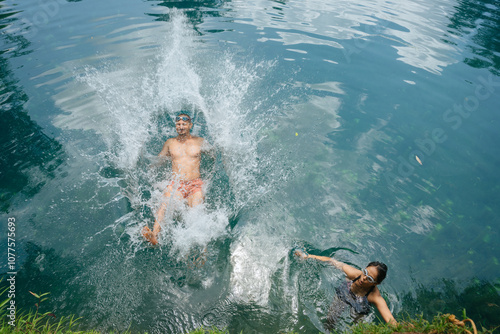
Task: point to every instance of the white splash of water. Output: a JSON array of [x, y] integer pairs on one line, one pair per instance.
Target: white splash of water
[[177, 79], [199, 228], [254, 258], [231, 121], [129, 111], [135, 100]]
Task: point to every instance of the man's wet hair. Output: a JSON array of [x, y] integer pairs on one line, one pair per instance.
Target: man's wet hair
[[381, 270]]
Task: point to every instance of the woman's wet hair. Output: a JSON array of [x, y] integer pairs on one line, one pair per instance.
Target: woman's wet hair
[[381, 270]]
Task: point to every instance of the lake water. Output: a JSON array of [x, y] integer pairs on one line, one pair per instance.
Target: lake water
[[364, 130]]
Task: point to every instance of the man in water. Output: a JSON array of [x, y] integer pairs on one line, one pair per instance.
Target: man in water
[[185, 153], [358, 291]]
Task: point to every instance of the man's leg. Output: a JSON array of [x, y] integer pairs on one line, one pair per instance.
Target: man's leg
[[195, 199], [151, 236], [194, 194]]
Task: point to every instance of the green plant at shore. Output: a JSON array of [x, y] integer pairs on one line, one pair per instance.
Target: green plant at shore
[[440, 324], [32, 322]]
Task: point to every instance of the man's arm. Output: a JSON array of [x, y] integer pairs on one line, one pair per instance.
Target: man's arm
[[165, 153], [165, 150], [376, 299]]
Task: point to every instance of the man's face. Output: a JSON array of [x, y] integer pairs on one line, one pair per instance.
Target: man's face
[[183, 126]]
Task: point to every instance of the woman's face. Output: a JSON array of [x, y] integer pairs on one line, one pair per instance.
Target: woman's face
[[369, 276]]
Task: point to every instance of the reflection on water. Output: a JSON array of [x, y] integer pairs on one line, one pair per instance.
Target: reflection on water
[[28, 156], [412, 28], [310, 106], [475, 21]]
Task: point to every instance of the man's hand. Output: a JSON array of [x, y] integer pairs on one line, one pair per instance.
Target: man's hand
[[157, 161]]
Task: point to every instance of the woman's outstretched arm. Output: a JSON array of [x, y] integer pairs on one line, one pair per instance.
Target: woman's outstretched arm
[[350, 271]]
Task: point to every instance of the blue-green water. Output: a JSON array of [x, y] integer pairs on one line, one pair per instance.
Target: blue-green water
[[317, 110]]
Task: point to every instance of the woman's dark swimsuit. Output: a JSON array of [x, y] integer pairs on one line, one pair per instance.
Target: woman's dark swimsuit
[[359, 304]]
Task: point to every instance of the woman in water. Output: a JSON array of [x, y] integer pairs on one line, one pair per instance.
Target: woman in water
[[358, 291]]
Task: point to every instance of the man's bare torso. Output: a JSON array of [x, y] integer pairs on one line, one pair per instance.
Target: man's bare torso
[[185, 154]]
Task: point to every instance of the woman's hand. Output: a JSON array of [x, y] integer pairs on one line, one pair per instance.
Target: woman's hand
[[301, 254]]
